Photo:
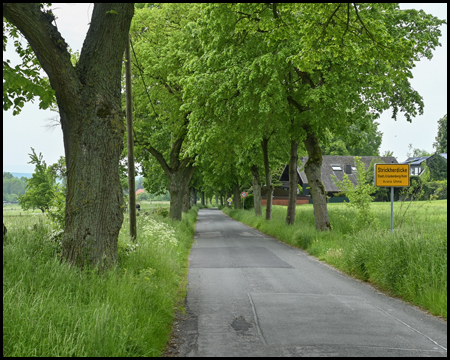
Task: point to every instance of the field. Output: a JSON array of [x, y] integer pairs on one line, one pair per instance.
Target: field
[[410, 263], [15, 209], [50, 309]]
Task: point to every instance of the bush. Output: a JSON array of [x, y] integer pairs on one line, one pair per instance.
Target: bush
[[249, 204], [435, 188]]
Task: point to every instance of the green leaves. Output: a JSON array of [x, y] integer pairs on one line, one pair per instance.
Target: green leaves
[[23, 82], [41, 188]]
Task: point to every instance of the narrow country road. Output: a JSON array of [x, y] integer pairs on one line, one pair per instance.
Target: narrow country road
[[250, 295]]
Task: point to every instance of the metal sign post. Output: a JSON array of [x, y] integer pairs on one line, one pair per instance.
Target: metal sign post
[[392, 175], [244, 195]]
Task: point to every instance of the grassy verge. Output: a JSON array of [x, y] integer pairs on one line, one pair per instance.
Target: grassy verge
[[50, 309], [410, 263]]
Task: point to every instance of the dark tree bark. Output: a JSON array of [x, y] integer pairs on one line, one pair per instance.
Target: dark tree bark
[[237, 196], [256, 190], [179, 172], [313, 172], [265, 148], [179, 177], [89, 103], [194, 196], [293, 182], [203, 198]]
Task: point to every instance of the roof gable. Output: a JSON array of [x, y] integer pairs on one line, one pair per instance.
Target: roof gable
[[140, 191]]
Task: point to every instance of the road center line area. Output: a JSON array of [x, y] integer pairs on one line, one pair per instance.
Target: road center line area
[[251, 295]]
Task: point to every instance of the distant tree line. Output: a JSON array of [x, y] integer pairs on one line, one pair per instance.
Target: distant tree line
[[12, 186]]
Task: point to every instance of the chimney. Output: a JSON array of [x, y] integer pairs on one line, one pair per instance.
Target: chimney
[[348, 169]]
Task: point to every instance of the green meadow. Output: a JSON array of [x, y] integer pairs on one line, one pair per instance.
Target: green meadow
[[410, 262], [50, 309]]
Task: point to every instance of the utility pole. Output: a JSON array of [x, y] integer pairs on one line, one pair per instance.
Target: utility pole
[[130, 142]]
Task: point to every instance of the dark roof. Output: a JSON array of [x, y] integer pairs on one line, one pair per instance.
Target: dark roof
[[416, 160], [336, 162], [420, 159]]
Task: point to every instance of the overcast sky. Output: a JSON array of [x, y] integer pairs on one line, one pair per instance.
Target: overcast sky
[[27, 129]]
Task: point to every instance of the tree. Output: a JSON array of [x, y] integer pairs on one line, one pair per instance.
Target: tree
[[40, 189], [89, 102], [157, 34], [438, 167], [12, 186], [441, 138], [359, 195], [416, 152], [355, 142], [321, 67], [7, 175], [23, 82]]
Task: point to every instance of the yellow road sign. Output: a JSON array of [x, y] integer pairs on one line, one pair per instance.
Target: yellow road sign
[[391, 175]]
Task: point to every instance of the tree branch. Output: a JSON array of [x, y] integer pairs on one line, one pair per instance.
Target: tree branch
[[274, 9], [47, 43], [160, 158], [299, 107], [142, 77], [99, 42]]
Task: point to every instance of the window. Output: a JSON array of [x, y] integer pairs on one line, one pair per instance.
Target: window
[[336, 167]]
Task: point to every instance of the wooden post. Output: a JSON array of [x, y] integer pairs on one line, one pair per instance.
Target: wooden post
[[130, 142]]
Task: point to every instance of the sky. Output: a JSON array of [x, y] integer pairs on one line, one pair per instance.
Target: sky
[[28, 129]]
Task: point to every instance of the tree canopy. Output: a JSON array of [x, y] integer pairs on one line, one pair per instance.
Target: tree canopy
[[23, 82], [317, 69], [441, 138]]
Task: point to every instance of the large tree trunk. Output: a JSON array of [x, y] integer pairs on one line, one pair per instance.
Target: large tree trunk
[[179, 188], [194, 196], [186, 201], [313, 168], [269, 193], [293, 183], [179, 172], [256, 190], [89, 102], [236, 195]]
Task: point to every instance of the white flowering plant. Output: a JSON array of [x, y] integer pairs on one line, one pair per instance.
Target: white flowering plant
[[55, 238], [159, 233]]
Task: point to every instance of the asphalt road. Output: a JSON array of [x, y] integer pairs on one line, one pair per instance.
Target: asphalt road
[[250, 295]]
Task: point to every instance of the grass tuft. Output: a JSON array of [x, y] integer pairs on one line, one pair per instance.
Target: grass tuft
[[50, 309]]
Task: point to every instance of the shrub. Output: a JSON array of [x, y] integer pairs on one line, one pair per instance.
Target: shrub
[[249, 204], [435, 189], [359, 195]]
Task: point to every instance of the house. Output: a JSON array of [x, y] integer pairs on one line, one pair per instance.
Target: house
[[140, 191], [281, 197], [332, 165], [416, 163]]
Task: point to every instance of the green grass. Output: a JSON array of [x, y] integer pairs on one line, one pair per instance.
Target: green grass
[[50, 309], [15, 209], [410, 263]]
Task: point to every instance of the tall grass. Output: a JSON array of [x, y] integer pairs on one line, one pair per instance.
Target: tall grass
[[410, 263], [50, 309]]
